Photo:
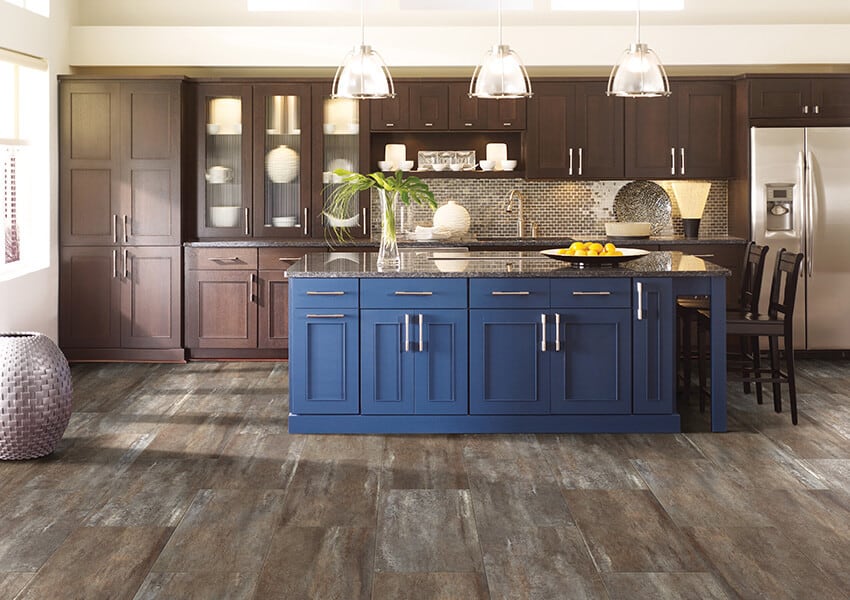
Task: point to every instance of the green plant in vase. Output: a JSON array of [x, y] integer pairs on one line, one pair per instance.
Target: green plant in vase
[[392, 189]]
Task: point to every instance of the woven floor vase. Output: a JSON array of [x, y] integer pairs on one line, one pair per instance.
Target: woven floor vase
[[35, 395]]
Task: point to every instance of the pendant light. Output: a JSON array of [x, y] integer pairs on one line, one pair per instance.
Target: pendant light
[[639, 72], [501, 73], [363, 73]]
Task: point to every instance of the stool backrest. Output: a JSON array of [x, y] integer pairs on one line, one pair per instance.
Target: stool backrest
[[783, 288], [751, 281]]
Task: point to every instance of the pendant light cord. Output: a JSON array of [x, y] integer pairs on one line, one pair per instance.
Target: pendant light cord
[[500, 22], [362, 23], [637, 23]]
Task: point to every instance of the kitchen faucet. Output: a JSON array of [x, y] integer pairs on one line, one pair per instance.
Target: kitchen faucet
[[520, 221]]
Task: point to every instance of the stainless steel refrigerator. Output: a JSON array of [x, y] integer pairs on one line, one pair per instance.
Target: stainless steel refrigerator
[[800, 201]]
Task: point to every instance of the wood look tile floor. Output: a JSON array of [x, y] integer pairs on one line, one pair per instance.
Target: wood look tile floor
[[181, 481]]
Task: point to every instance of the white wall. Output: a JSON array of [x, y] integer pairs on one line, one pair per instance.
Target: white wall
[[30, 302]]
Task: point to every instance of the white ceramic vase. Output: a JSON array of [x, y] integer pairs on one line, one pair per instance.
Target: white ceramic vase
[[282, 164]]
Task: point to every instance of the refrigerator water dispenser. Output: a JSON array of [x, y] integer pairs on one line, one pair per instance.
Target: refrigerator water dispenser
[[780, 197]]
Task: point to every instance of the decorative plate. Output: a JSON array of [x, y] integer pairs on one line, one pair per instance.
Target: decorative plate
[[595, 261], [643, 201]]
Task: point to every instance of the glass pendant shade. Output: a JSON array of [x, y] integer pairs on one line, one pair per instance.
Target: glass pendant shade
[[363, 74], [501, 74], [638, 74]]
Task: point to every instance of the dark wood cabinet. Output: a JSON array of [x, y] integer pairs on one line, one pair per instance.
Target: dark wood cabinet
[[574, 130], [391, 114], [114, 301], [471, 114], [686, 135], [418, 106], [810, 98], [237, 301], [121, 156]]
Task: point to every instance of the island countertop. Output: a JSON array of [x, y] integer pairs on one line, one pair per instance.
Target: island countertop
[[455, 263]]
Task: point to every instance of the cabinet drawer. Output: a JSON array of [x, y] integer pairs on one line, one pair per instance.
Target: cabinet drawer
[[592, 292], [323, 293], [509, 293], [272, 259], [218, 259], [413, 293]]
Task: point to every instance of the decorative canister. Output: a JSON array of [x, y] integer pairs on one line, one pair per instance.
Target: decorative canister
[[282, 164], [452, 217], [35, 395]]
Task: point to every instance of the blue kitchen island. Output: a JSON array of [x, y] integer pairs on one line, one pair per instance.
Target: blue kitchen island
[[493, 342]]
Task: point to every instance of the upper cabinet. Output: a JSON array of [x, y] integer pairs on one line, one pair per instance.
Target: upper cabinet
[[574, 131], [686, 135], [120, 154], [810, 98], [443, 106], [252, 181]]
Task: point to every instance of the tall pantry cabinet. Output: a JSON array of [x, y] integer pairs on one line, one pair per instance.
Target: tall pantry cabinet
[[120, 218]]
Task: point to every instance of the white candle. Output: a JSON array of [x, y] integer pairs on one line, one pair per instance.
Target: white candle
[[396, 154]]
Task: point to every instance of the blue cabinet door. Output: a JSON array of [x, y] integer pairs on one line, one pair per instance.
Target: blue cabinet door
[[507, 369], [590, 371], [414, 362], [441, 378], [324, 364], [653, 347]]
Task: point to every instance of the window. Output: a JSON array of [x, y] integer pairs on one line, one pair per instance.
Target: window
[[40, 7], [23, 145]]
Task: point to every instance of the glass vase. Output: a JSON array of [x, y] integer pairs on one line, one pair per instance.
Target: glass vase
[[388, 252]]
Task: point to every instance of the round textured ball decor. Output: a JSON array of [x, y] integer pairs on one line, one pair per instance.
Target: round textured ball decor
[[35, 395]]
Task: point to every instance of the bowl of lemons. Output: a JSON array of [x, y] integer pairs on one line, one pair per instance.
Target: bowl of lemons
[[594, 254]]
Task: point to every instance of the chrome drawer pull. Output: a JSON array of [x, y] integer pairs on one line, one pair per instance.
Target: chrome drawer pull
[[704, 255], [414, 293], [223, 259], [312, 293], [289, 258], [506, 124], [406, 332], [557, 332], [467, 124], [334, 316], [543, 336], [497, 293], [591, 293]]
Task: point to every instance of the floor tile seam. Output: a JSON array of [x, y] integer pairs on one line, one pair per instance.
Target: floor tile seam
[[379, 494], [484, 575], [714, 569]]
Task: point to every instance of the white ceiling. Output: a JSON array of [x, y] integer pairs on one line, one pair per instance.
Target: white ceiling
[[394, 13]]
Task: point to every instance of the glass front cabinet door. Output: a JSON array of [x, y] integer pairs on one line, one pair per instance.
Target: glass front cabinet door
[[342, 142], [224, 160], [282, 151]]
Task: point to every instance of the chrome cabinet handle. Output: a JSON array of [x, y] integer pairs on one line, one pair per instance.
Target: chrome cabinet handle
[[289, 258], [672, 160], [335, 293], [125, 228], [365, 226], [704, 255], [332, 316], [498, 293], [817, 109], [400, 293], [115, 264], [247, 221], [467, 124], [421, 342], [580, 161], [571, 162], [682, 155], [557, 332], [543, 336], [805, 109], [126, 268], [306, 221], [639, 286], [506, 124], [252, 297], [389, 124], [115, 229], [406, 332], [223, 259], [429, 124], [591, 293]]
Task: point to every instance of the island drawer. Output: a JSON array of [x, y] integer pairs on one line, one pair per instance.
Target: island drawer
[[592, 292], [221, 258], [413, 293], [506, 292], [323, 293]]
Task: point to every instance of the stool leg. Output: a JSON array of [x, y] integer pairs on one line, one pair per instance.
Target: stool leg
[[686, 324], [792, 384], [702, 359], [745, 350], [774, 372], [754, 345]]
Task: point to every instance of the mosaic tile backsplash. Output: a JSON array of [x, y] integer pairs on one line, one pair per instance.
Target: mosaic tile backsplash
[[558, 208]]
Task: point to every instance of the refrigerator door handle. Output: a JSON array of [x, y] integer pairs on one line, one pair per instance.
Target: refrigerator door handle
[[803, 181], [812, 200]]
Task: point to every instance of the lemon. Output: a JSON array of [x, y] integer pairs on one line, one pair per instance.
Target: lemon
[[609, 247], [577, 246], [597, 247]]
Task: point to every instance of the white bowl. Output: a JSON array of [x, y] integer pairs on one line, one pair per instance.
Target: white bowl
[[487, 165], [628, 229], [406, 165], [456, 166], [509, 165], [385, 165], [224, 216], [439, 166], [283, 221]]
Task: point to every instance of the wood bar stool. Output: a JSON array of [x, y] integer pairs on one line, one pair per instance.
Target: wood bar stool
[[687, 310], [777, 324]]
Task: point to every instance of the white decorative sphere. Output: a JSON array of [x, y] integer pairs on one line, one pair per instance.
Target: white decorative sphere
[[282, 164], [452, 217]]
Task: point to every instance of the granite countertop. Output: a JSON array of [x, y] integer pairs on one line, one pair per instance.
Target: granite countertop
[[470, 242], [457, 263]]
